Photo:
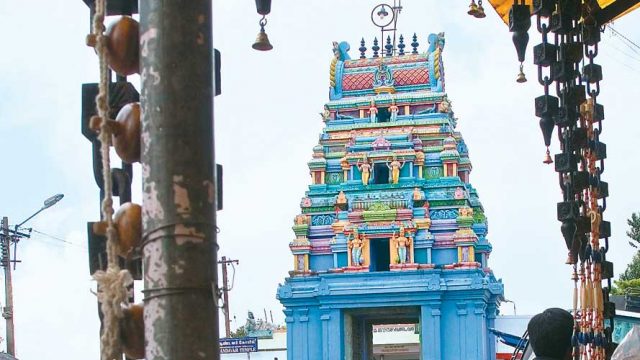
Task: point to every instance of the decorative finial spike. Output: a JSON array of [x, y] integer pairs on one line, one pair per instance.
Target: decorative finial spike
[[362, 49], [389, 46], [401, 46], [375, 47], [415, 44]]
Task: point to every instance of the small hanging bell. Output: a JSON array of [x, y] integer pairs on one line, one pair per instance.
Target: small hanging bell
[[473, 8], [262, 40], [480, 11], [547, 158], [570, 259], [521, 77]]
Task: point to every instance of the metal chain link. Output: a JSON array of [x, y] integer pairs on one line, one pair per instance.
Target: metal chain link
[[574, 111]]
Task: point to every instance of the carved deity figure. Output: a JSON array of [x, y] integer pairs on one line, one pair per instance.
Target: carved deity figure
[[326, 114], [300, 263], [465, 212], [373, 111], [356, 243], [365, 168], [344, 163], [402, 244], [444, 106], [465, 254], [459, 193], [300, 220], [251, 322], [395, 167], [417, 194], [341, 199], [393, 109]]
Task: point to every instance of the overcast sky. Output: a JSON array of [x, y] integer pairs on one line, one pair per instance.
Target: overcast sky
[[267, 123]]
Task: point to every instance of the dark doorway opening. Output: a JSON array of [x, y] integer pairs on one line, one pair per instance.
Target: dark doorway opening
[[380, 173], [366, 331], [383, 114], [379, 255]]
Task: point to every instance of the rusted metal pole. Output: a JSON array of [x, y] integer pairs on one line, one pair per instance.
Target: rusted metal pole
[[7, 312], [179, 197], [225, 298], [225, 293]]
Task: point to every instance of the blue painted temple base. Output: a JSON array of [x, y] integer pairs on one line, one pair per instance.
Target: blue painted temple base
[[390, 230], [330, 316]]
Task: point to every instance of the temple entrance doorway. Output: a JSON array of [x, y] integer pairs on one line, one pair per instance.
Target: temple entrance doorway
[[384, 333], [379, 255]]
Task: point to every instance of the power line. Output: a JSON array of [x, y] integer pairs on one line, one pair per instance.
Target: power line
[[629, 43], [633, 70], [57, 238], [630, 56]]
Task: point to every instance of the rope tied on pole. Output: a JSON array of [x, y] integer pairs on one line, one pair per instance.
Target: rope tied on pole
[[112, 282]]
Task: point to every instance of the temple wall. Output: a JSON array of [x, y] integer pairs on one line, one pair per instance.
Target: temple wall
[[453, 313]]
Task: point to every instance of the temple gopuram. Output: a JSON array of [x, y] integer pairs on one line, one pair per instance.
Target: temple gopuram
[[391, 231]]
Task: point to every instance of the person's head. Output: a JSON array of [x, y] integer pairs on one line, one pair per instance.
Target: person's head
[[550, 333]]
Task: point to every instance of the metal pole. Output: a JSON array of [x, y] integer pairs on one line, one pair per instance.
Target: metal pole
[[7, 312], [225, 297], [225, 293], [179, 195]]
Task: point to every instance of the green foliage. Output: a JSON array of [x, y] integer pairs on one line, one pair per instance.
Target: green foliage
[[624, 286], [630, 278], [240, 332], [633, 269], [634, 231]]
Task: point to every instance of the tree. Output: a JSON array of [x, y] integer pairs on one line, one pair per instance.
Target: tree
[[240, 332], [634, 231], [630, 278], [633, 269]]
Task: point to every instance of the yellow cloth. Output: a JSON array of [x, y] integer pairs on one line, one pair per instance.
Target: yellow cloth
[[503, 6]]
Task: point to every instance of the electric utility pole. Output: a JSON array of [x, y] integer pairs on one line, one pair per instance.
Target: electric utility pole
[[225, 293], [7, 311]]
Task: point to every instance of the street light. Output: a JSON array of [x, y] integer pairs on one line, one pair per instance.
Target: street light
[[7, 311], [47, 204]]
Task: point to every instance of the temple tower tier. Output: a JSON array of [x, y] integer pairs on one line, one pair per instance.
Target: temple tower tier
[[390, 231]]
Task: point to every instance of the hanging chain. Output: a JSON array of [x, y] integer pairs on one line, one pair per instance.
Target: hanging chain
[[569, 62]]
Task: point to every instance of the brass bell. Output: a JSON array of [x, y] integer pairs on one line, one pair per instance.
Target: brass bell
[[480, 12], [262, 40], [547, 158], [570, 259], [473, 8], [521, 78]]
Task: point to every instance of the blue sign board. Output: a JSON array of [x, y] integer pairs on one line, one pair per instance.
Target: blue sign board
[[238, 345]]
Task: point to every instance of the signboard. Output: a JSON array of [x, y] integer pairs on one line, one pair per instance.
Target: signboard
[[413, 349], [394, 328], [238, 345]]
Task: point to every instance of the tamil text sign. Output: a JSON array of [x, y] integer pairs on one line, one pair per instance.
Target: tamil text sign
[[238, 345]]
